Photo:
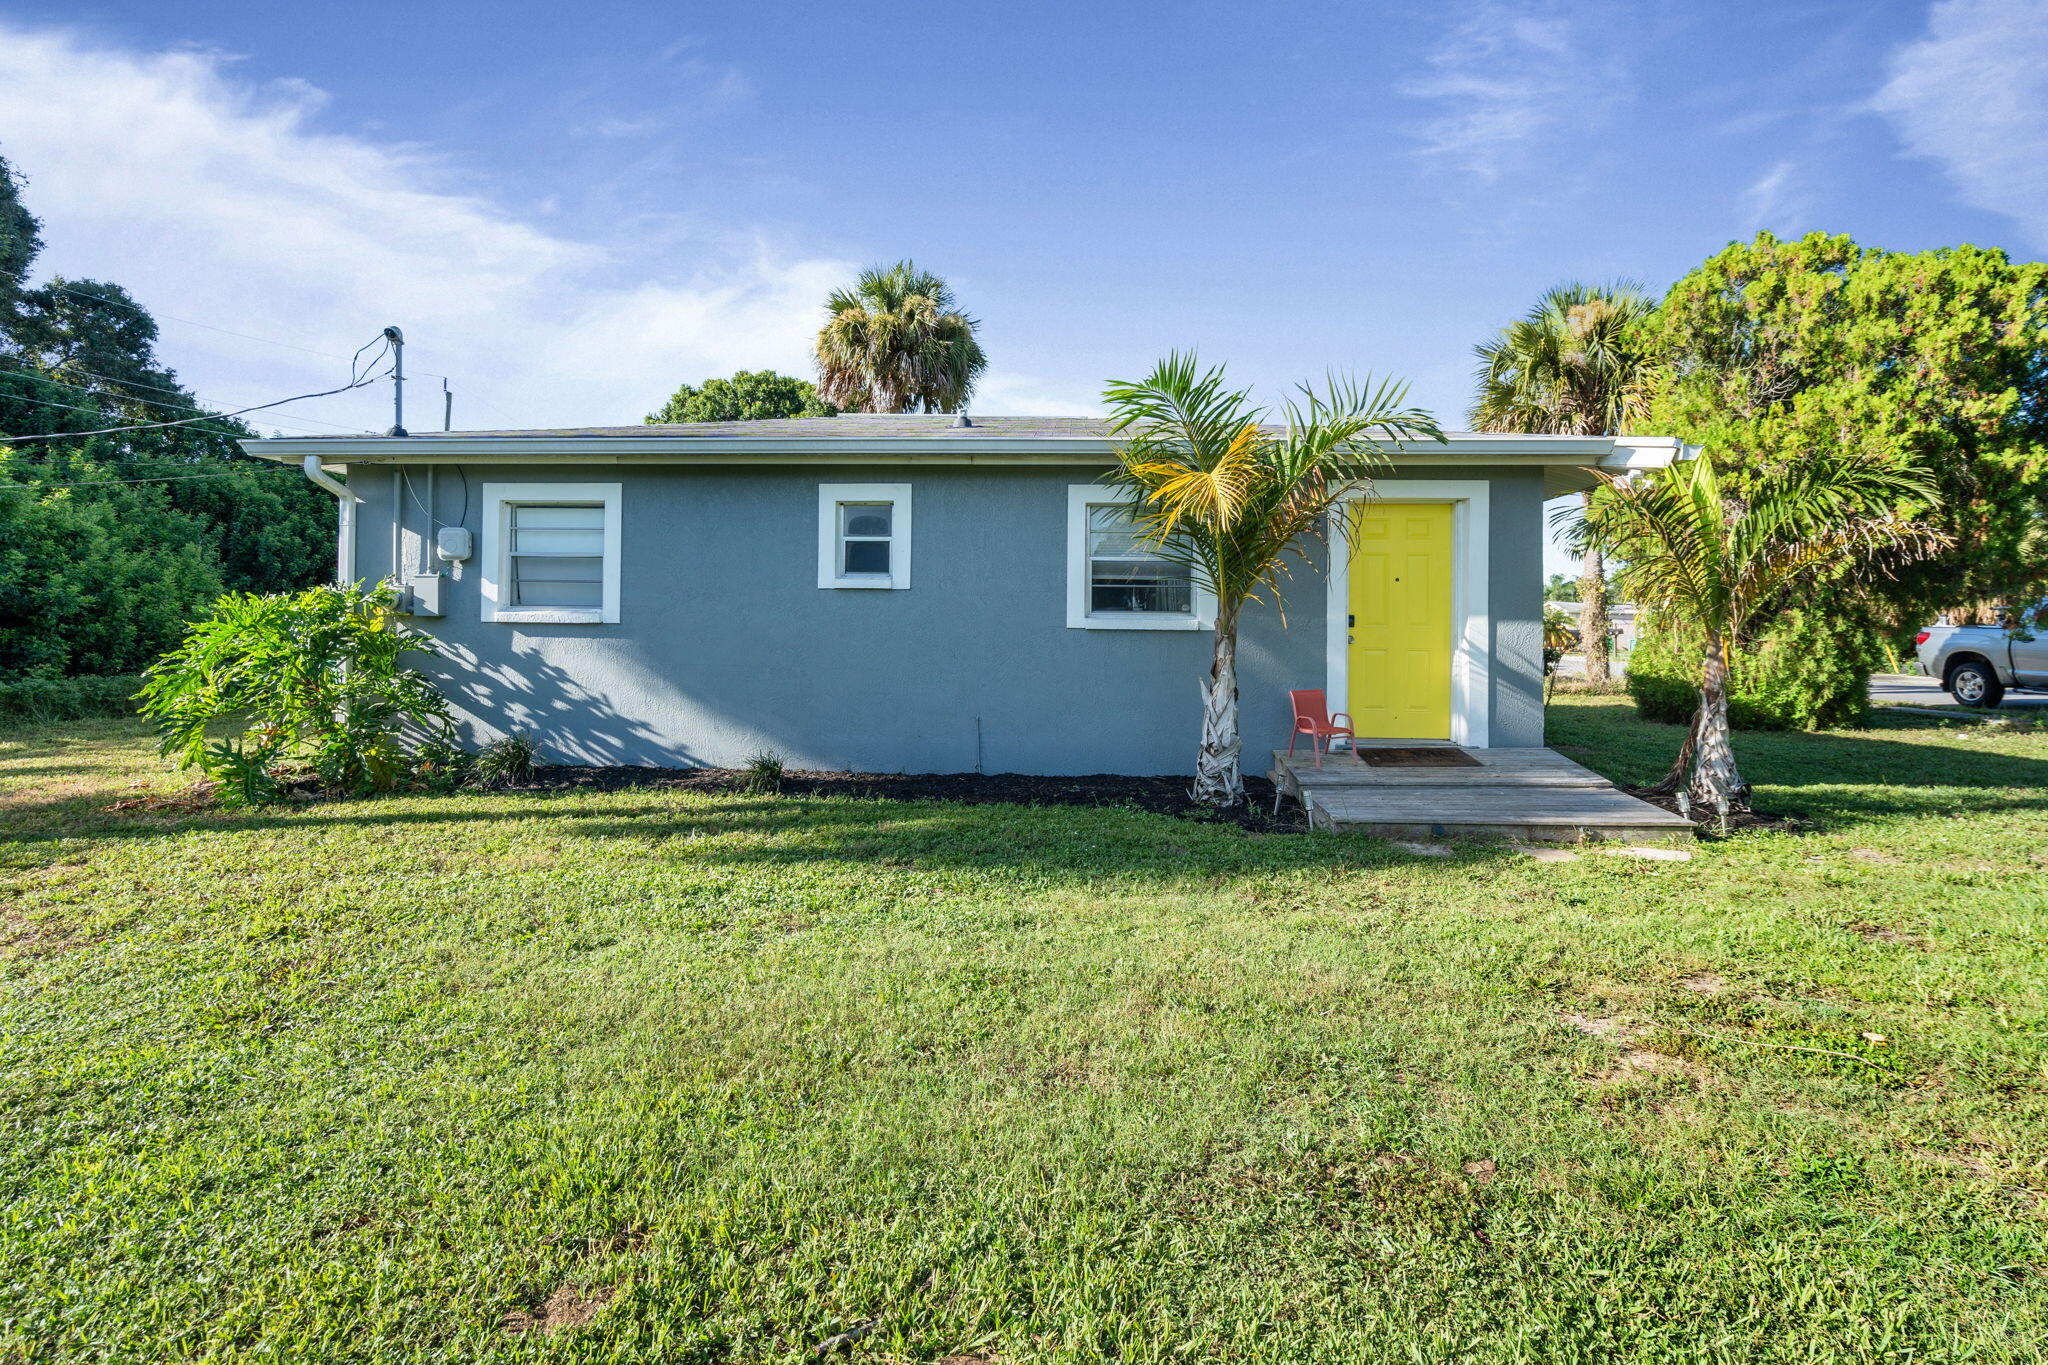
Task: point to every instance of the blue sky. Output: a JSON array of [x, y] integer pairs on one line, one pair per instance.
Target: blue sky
[[571, 208]]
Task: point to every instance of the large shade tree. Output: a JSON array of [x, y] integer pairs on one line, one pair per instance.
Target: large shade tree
[[749, 396], [1935, 360], [1240, 502], [1577, 365], [897, 341], [1721, 551], [110, 543]]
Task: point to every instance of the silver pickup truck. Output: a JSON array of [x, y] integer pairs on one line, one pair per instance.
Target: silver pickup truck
[[1978, 665]]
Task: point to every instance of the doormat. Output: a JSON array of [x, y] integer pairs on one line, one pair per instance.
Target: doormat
[[1417, 758]]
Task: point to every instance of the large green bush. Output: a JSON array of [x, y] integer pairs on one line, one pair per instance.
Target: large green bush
[[315, 678], [1810, 671]]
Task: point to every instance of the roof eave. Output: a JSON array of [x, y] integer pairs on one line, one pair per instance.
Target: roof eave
[[1581, 451]]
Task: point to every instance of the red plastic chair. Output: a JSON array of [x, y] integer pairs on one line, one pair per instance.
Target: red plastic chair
[[1312, 718]]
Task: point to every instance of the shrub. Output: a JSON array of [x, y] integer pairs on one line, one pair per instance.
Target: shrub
[[33, 700], [503, 762], [316, 677], [763, 774], [1810, 671]]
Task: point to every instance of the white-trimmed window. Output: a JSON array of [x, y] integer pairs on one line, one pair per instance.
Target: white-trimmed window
[[550, 553], [1115, 581], [863, 535]]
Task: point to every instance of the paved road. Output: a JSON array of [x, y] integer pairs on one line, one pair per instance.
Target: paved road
[[1886, 689], [1907, 689]]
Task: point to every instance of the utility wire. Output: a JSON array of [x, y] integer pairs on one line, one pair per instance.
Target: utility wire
[[138, 384], [22, 276], [96, 412], [297, 418], [354, 383]]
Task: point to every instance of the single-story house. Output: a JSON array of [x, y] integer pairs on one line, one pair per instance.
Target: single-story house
[[928, 593]]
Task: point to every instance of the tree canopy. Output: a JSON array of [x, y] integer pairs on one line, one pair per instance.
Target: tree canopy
[[897, 341], [748, 396], [1577, 365], [1773, 351], [110, 544]]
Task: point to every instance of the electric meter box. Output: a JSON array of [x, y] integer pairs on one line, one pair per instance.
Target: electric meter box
[[422, 596]]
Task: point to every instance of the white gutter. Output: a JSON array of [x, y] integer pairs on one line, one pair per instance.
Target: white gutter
[[345, 540], [313, 470]]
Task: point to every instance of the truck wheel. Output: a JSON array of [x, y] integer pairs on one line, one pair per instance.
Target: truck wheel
[[1975, 684]]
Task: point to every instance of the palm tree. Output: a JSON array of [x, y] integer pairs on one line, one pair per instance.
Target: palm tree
[[897, 342], [1235, 500], [1577, 365], [1721, 553]]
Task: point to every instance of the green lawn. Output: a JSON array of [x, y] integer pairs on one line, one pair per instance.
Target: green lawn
[[434, 1078]]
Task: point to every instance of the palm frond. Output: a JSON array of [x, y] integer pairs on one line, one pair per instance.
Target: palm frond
[[896, 341]]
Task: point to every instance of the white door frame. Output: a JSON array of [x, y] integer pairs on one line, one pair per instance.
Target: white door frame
[[1471, 619]]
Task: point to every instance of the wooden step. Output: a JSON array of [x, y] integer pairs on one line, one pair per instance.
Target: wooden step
[[1526, 794]]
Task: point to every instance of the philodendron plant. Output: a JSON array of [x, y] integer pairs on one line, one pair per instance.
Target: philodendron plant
[[315, 680]]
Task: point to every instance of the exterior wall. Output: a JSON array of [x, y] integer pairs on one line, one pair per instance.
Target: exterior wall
[[1515, 602], [726, 646]]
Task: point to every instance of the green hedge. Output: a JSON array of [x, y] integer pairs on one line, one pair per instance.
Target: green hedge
[[29, 700], [1809, 672]]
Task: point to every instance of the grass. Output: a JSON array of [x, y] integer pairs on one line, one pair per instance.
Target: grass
[[636, 1076]]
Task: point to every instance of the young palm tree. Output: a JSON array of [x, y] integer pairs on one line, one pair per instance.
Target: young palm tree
[[1722, 553], [897, 342], [1236, 500], [1577, 365]]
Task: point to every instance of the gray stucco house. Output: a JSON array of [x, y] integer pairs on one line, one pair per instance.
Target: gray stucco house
[[904, 593]]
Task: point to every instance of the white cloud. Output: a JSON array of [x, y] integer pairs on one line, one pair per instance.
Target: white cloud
[[214, 197], [1503, 78], [1773, 200], [1972, 95]]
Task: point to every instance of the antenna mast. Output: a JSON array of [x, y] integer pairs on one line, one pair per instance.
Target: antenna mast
[[397, 340]]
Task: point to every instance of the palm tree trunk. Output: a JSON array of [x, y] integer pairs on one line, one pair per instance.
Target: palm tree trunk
[[1218, 779], [1716, 783], [1593, 622]]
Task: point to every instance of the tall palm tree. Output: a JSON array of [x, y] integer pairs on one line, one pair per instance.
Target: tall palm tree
[[897, 342], [1721, 553], [1236, 500], [1577, 365]]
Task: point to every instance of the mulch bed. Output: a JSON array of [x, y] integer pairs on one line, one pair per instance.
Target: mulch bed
[[1160, 795], [1739, 821]]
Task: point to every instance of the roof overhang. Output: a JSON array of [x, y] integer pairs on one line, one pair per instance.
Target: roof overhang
[[1568, 462]]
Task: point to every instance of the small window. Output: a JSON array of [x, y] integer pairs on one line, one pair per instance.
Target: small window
[[1118, 581], [1126, 574], [863, 535], [550, 553]]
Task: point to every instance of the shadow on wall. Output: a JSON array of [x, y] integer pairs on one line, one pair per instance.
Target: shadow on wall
[[567, 721]]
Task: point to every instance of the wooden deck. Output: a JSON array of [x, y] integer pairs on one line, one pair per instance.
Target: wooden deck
[[1530, 795]]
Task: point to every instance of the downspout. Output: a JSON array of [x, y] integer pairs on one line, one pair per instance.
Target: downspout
[[345, 549]]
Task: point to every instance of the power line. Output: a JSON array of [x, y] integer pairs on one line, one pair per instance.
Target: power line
[[96, 412], [138, 384], [297, 419], [140, 311], [354, 383]]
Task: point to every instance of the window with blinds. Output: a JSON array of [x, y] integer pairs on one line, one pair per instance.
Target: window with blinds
[[556, 555]]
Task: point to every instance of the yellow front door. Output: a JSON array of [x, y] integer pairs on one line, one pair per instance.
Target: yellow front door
[[1400, 653]]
